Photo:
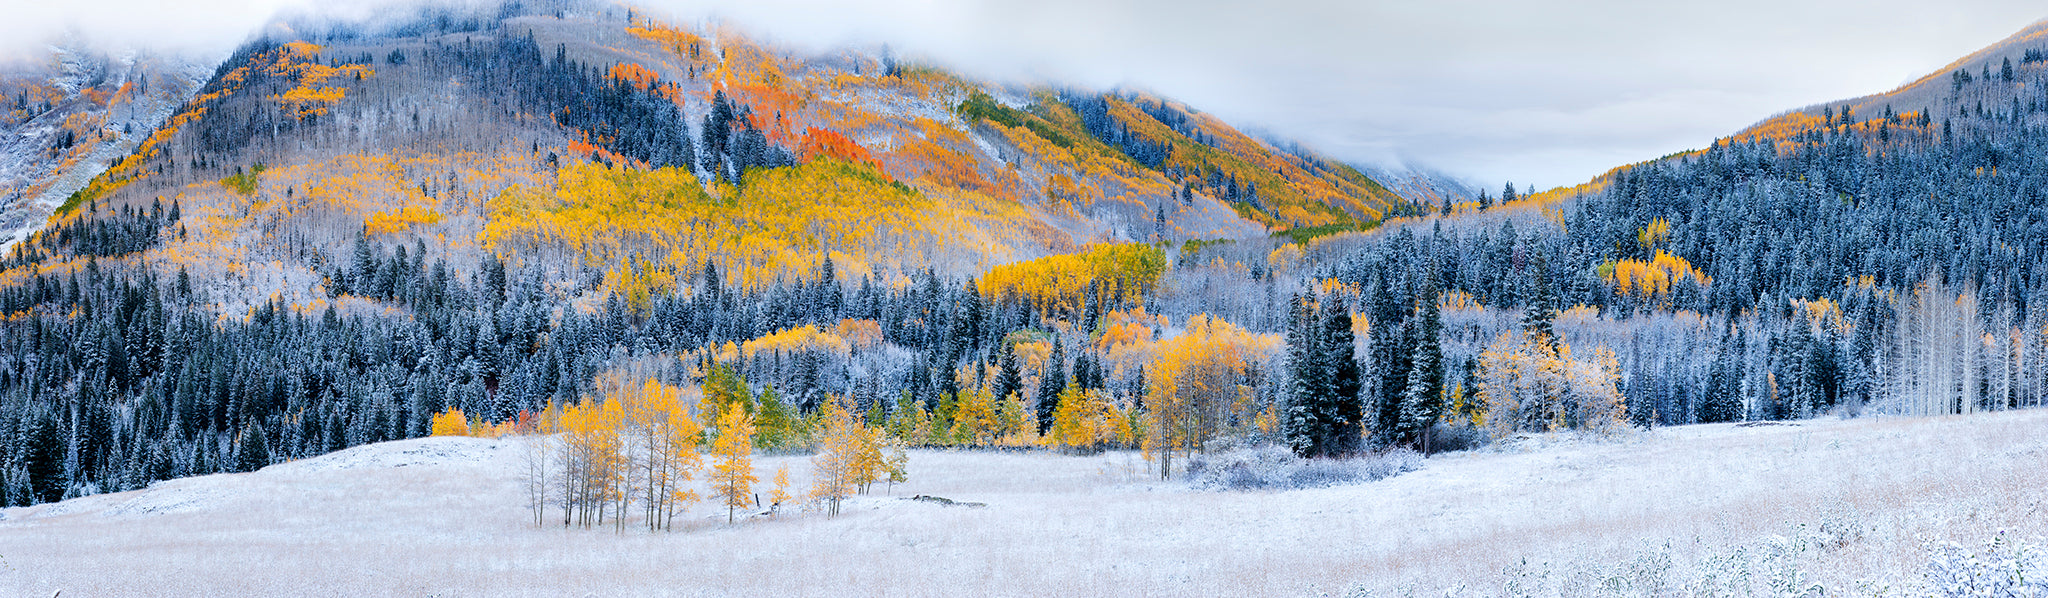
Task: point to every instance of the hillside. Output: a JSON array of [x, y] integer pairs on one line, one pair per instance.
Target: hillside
[[1850, 261], [1977, 92], [475, 131], [1858, 508], [70, 114]]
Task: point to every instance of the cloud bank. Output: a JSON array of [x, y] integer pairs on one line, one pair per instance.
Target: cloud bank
[[1548, 93]]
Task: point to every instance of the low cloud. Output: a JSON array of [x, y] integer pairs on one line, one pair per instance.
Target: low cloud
[[1551, 93]]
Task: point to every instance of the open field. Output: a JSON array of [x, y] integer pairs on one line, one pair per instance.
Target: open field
[[1845, 504]]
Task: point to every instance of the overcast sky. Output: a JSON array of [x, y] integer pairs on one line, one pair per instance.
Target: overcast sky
[[1549, 93]]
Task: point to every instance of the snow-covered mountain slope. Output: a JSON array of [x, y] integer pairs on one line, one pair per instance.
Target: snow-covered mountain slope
[[490, 133], [67, 116], [1833, 501]]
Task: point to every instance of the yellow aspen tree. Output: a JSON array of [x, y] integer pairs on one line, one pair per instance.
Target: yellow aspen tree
[[1069, 430], [1196, 386], [578, 480], [897, 462], [451, 423], [835, 469], [567, 457], [723, 389], [1507, 382], [595, 461], [732, 478], [908, 422], [614, 464], [665, 453], [976, 421], [781, 492], [1596, 392], [869, 463], [1014, 425]]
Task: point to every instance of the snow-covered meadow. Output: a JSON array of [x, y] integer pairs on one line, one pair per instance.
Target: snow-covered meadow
[[1856, 507]]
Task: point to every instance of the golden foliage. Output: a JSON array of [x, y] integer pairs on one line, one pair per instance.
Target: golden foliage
[[678, 41], [639, 76], [399, 220], [1059, 283], [779, 224], [1653, 233], [1086, 420], [664, 454], [1783, 126], [300, 62], [849, 457], [451, 423], [1198, 386], [594, 462], [1292, 194], [796, 340], [1651, 279], [1530, 383], [861, 334], [732, 478]]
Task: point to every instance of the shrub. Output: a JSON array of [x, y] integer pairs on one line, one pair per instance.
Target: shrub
[[2006, 568], [1276, 468]]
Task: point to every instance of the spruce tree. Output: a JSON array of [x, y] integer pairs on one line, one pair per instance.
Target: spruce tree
[[1009, 381], [1389, 356], [1422, 401], [252, 452], [1541, 309], [1050, 384], [1344, 377], [1306, 427]]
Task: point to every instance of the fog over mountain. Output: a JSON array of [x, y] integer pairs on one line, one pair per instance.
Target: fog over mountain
[[1544, 93]]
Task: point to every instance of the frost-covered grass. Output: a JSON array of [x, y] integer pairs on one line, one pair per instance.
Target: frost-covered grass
[[1862, 507]]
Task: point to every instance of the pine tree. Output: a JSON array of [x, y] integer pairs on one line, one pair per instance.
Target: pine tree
[[1324, 410], [1723, 400]]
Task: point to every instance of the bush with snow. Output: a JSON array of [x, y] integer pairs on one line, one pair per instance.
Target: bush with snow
[[2006, 568], [1272, 467]]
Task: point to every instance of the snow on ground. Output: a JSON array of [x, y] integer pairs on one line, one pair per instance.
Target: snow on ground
[[445, 517]]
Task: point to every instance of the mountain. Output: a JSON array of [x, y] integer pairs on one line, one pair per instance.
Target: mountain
[[521, 219], [1970, 92], [1840, 259], [487, 209], [521, 132], [72, 113], [1422, 186]]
